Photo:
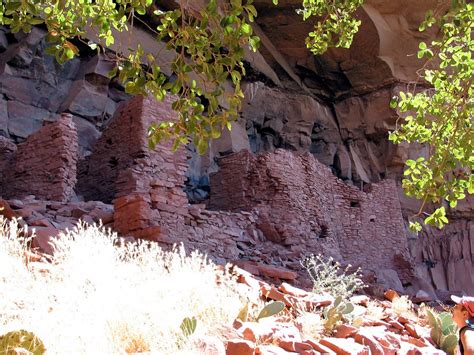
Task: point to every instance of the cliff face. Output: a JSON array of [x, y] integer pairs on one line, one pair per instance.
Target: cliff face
[[335, 107]]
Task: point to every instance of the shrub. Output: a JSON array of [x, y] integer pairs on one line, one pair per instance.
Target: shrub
[[328, 277], [402, 306], [100, 298]]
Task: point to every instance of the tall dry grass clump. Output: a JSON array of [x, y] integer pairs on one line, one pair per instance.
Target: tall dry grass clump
[[100, 298]]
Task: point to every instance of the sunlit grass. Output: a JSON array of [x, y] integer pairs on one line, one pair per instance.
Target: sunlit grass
[[103, 298]]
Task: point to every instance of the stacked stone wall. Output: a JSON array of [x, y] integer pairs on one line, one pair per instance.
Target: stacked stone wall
[[306, 205], [45, 164], [278, 207]]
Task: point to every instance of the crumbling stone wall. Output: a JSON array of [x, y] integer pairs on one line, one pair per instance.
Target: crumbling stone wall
[[122, 144], [45, 164], [280, 206], [305, 203]]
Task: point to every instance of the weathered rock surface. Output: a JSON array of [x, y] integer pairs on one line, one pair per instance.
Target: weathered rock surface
[[35, 88]]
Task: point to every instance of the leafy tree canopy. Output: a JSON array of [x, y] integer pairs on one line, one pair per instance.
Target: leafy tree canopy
[[209, 45], [441, 117]]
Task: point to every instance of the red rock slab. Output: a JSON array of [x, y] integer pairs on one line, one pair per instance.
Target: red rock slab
[[240, 347], [375, 323], [344, 346], [402, 319], [246, 278], [149, 233], [391, 294], [254, 332], [40, 222], [276, 272], [319, 347], [393, 339], [271, 350], [6, 211], [397, 325], [345, 331], [415, 341], [43, 237], [293, 291], [294, 346], [272, 293], [248, 266], [411, 330], [360, 300], [365, 338], [315, 301]]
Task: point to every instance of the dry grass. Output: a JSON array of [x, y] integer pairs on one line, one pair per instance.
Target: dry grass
[[403, 307], [375, 311], [311, 325], [103, 299]]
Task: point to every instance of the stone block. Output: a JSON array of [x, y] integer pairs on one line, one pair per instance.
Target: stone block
[[87, 134], [3, 42], [86, 100], [24, 120]]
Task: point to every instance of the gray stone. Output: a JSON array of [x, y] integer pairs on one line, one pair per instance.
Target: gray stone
[[110, 107], [389, 279], [97, 70], [51, 97], [24, 120], [323, 151], [3, 42], [19, 89], [87, 135], [86, 100], [343, 163], [231, 141]]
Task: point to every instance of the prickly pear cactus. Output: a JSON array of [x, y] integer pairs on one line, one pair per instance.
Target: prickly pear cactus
[[21, 339], [443, 331], [188, 326], [271, 309], [335, 313]]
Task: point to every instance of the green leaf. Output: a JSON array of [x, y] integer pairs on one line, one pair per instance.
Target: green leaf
[[202, 146]]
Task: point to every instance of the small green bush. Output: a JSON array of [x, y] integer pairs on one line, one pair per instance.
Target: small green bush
[[328, 277]]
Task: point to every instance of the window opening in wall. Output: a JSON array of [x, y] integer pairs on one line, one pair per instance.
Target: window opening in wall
[[324, 232], [355, 204], [113, 162]]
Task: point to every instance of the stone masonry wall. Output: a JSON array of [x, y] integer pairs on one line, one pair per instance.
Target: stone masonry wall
[[45, 164], [305, 204], [120, 145], [282, 206]]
